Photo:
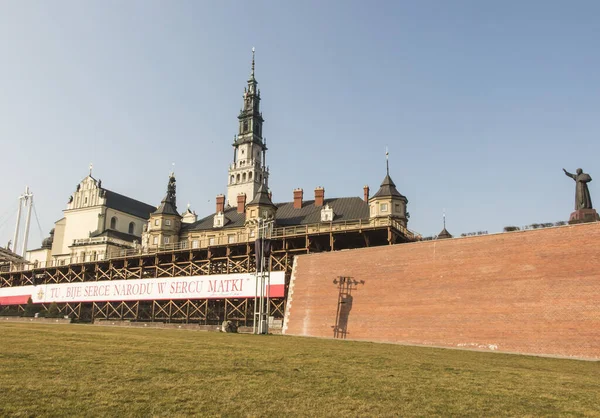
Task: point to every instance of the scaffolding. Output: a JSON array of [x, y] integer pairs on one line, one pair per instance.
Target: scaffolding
[[223, 258]]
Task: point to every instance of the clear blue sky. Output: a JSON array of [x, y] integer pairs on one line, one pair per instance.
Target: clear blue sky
[[480, 103]]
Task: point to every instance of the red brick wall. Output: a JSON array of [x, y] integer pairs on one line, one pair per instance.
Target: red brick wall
[[533, 292]]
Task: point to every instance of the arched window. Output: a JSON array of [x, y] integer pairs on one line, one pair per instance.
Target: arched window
[[244, 177], [113, 222], [237, 178], [250, 175], [232, 179], [131, 227]]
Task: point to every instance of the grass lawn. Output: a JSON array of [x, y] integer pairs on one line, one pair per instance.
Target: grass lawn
[[66, 370]]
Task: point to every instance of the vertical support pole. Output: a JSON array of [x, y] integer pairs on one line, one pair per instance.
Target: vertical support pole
[[16, 236]]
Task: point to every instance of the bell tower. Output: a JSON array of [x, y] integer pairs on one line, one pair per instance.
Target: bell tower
[[248, 170]]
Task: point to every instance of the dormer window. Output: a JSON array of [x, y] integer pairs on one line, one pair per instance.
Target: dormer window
[[327, 214], [219, 220]]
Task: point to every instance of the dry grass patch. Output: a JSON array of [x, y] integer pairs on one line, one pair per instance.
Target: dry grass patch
[[74, 370]]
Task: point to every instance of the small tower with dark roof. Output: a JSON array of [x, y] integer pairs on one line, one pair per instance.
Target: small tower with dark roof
[[388, 202], [261, 206], [165, 222], [444, 234]]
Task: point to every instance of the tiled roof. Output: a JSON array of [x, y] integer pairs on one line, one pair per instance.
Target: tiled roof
[[166, 208], [128, 205], [444, 234], [112, 233], [233, 219], [262, 197], [388, 188], [344, 209]]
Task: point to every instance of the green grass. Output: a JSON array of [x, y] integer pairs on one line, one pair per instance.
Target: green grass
[[75, 370]]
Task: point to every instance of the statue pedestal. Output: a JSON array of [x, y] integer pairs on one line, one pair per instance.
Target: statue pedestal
[[584, 215]]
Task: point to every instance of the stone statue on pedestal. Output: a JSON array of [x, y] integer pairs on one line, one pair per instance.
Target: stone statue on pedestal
[[582, 193], [584, 211]]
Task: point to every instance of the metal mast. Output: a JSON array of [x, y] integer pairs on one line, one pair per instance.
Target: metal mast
[[27, 200], [16, 236]]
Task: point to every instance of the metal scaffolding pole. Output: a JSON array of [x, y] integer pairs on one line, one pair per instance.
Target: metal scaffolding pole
[[263, 278]]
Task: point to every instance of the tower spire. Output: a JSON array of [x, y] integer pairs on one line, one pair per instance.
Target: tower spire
[[444, 218], [387, 161], [169, 203], [248, 170], [252, 72]]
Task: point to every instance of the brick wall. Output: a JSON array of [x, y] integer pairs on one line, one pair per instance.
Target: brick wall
[[534, 291]]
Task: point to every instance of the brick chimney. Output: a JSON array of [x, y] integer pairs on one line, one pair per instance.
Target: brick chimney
[[298, 193], [366, 191], [220, 203], [319, 196], [241, 206]]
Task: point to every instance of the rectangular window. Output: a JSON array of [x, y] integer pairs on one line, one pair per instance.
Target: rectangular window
[[155, 241], [167, 222], [230, 239], [211, 241], [384, 207], [156, 222], [195, 244], [166, 240]]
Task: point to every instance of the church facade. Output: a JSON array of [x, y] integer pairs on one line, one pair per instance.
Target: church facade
[[97, 222]]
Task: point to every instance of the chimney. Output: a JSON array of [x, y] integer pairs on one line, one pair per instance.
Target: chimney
[[298, 193], [366, 191], [241, 206], [220, 203], [319, 196]]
